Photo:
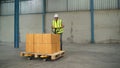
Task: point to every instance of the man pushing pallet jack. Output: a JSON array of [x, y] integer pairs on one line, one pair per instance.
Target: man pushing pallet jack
[[57, 27], [45, 46]]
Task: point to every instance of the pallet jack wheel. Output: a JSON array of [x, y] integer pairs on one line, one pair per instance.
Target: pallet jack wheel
[[44, 59], [47, 58], [30, 57]]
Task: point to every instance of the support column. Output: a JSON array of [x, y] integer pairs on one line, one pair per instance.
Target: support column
[[118, 4], [43, 16], [16, 24], [92, 20]]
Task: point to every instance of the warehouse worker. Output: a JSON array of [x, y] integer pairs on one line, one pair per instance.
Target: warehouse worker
[[57, 27]]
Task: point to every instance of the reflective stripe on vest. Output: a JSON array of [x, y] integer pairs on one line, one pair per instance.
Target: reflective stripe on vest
[[58, 25]]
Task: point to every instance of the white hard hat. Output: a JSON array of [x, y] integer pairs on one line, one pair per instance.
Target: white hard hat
[[56, 15]]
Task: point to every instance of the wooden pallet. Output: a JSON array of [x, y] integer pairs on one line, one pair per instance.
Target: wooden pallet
[[53, 56]]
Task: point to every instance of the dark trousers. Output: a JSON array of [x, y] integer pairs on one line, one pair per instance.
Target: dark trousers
[[61, 41]]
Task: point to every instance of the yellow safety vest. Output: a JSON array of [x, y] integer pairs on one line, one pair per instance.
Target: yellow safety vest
[[58, 26]]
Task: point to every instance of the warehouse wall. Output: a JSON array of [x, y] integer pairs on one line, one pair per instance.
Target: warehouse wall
[[6, 28], [28, 24], [77, 26], [107, 26]]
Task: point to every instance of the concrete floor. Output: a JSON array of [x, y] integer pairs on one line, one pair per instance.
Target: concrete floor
[[76, 56]]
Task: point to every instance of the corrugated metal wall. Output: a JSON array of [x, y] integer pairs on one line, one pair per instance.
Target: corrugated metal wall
[[106, 4], [67, 5], [74, 5], [56, 5], [26, 7], [7, 9], [32, 6], [35, 6]]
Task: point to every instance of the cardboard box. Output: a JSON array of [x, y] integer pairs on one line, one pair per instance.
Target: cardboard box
[[58, 43], [29, 43], [51, 42], [50, 48], [58, 47], [51, 38], [38, 43], [43, 43]]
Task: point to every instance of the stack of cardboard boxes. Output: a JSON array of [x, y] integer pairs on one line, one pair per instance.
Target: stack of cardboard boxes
[[43, 43]]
